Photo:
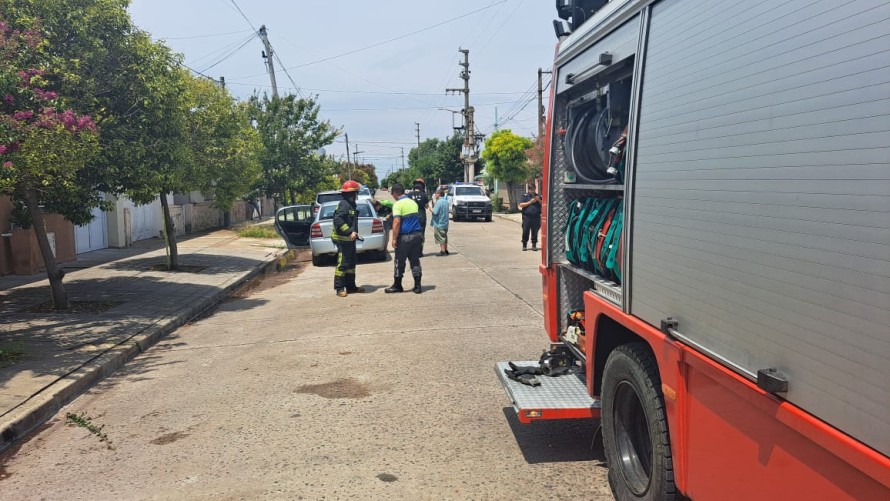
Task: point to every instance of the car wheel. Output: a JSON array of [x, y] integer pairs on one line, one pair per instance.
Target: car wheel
[[635, 431], [317, 260], [381, 255], [488, 218]]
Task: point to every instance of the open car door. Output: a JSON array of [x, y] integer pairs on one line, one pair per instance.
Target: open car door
[[293, 224]]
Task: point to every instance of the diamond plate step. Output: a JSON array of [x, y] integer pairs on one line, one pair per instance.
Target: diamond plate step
[[563, 397]]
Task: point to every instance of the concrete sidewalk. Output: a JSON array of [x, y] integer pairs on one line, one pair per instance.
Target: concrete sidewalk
[[516, 218], [63, 354]]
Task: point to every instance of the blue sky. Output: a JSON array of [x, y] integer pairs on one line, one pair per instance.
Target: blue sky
[[376, 95]]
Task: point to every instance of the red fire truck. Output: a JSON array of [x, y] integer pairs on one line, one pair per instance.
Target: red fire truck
[[716, 274]]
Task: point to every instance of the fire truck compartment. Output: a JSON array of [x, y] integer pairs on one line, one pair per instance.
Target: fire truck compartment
[[562, 397]]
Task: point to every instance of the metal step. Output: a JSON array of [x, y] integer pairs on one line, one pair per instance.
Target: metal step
[[563, 397]]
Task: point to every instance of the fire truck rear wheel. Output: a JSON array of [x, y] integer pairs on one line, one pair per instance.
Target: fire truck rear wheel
[[635, 433]]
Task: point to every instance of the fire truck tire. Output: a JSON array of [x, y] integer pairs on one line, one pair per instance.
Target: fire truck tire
[[635, 432]]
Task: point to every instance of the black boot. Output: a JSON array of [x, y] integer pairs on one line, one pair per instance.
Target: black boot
[[395, 287], [417, 289]]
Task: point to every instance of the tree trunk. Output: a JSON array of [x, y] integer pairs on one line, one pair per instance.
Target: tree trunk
[[293, 197], [511, 196], [60, 297], [170, 235]]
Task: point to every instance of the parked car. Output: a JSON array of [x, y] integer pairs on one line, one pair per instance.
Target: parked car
[[370, 228], [326, 196], [468, 201], [293, 224], [364, 193]]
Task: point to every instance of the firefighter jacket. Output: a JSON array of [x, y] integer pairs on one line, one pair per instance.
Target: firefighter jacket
[[345, 220]]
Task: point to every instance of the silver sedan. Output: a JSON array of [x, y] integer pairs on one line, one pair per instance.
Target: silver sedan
[[370, 229]]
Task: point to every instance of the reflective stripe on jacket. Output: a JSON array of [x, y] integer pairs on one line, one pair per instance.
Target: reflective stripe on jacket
[[345, 221]]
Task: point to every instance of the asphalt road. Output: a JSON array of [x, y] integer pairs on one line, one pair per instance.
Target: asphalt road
[[293, 393]]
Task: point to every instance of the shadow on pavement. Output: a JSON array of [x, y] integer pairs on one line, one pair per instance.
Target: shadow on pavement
[[555, 441], [58, 343], [212, 264]]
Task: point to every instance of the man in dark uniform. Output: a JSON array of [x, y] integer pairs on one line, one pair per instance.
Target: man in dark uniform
[[423, 201], [344, 235], [531, 217]]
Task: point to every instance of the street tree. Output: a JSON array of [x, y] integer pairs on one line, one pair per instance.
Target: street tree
[[225, 148], [535, 156], [135, 90], [438, 159], [159, 155], [42, 147], [506, 160], [292, 133]]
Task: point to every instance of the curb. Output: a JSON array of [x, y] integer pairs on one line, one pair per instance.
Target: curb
[[506, 217], [44, 404]]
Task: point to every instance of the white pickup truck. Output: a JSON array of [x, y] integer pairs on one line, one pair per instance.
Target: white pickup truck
[[468, 201]]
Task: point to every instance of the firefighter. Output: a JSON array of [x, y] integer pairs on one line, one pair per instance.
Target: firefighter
[[344, 235]]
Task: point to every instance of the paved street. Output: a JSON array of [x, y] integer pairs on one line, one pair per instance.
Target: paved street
[[290, 392]]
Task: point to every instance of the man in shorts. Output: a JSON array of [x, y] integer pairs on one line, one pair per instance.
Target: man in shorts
[[439, 220]]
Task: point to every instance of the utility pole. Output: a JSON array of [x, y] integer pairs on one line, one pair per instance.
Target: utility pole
[[222, 82], [347, 151], [403, 158], [541, 118], [270, 63], [469, 151], [417, 126], [355, 157], [495, 118]]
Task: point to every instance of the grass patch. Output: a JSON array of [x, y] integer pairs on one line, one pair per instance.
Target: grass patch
[[12, 353], [257, 231]]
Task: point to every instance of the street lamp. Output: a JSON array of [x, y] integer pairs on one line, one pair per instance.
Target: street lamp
[[453, 112]]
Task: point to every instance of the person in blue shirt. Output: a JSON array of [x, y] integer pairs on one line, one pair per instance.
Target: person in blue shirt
[[439, 220], [407, 234]]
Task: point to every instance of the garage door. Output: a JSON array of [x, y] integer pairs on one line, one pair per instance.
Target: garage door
[[92, 236], [146, 220]]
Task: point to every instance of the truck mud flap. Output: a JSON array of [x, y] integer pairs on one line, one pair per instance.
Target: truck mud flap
[[563, 397]]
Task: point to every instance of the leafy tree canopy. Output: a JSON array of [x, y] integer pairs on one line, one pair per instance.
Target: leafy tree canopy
[[291, 132], [506, 160], [505, 156], [225, 147]]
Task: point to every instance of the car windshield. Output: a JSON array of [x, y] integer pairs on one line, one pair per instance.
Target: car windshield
[[327, 197], [327, 211], [468, 190], [364, 191]]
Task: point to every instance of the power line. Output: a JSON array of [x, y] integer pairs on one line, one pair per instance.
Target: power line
[[392, 93], [344, 70], [195, 71], [494, 34], [299, 93], [244, 16], [410, 108], [230, 54], [400, 37], [380, 142], [209, 35], [218, 52]]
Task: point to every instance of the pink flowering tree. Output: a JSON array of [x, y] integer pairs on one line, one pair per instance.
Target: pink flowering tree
[[43, 146]]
